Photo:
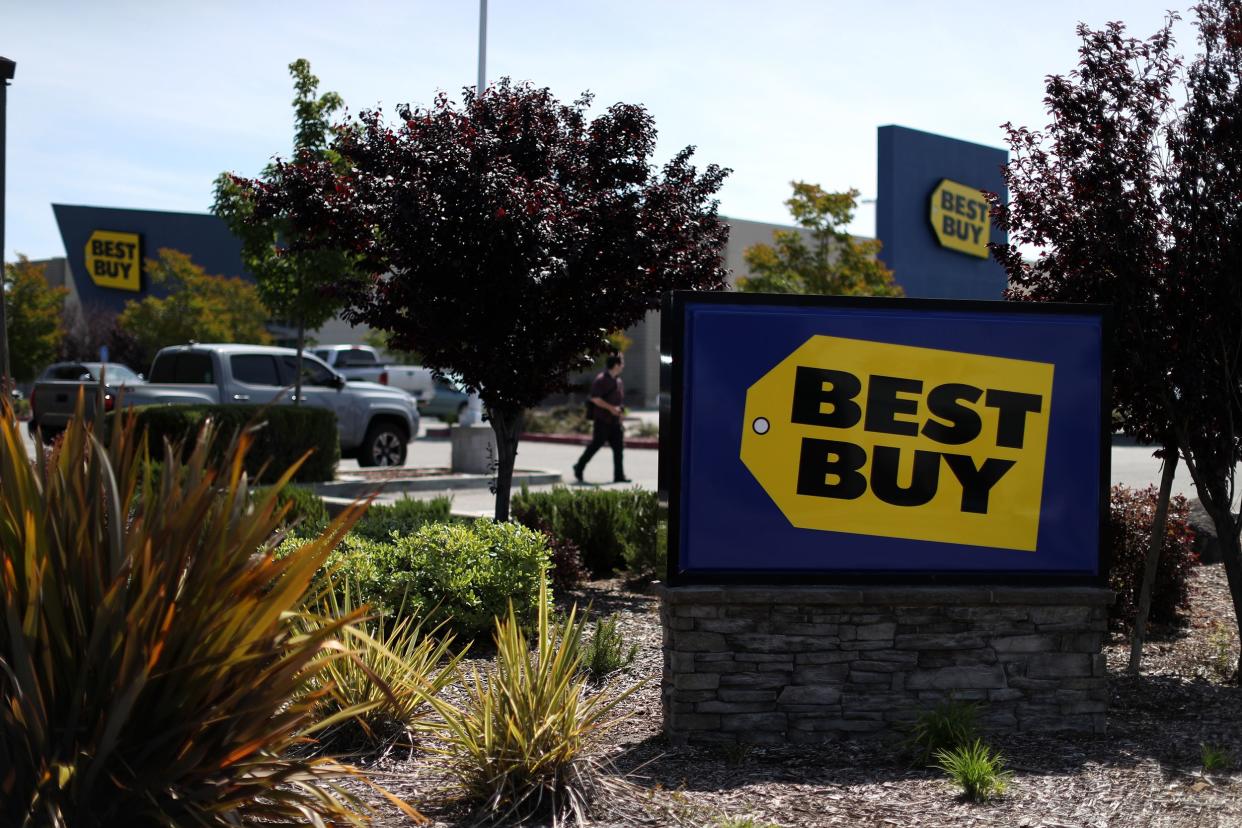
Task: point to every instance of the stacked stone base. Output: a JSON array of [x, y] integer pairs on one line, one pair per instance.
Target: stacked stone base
[[773, 665]]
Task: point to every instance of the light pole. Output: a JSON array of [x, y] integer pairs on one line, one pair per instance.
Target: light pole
[[474, 406], [7, 69]]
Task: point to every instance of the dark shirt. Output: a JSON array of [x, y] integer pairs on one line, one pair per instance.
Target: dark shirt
[[609, 389]]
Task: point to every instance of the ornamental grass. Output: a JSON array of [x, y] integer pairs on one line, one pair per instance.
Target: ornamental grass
[[154, 664]]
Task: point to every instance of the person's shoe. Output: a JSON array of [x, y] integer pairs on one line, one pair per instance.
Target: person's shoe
[[578, 473], [622, 480]]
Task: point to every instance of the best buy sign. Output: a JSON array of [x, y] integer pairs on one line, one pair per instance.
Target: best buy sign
[[888, 440], [959, 216], [114, 260]]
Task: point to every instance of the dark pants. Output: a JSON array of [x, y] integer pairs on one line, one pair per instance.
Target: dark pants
[[613, 435]]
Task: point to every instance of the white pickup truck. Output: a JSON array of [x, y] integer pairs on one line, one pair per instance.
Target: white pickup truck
[[362, 362], [376, 423]]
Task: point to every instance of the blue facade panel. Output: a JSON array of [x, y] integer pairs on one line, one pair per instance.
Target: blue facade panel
[[203, 237], [911, 165]]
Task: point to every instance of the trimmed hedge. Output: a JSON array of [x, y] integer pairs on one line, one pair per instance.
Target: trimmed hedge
[[287, 433], [306, 510], [612, 528], [1130, 517], [405, 517], [463, 574]]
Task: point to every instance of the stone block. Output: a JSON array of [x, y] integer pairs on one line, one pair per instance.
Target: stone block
[[1060, 615], [754, 681], [883, 631], [698, 611], [1024, 644], [939, 641], [770, 722], [731, 695], [696, 721], [863, 677], [731, 708], [809, 694], [826, 657], [680, 662], [774, 658], [821, 674], [1058, 665], [723, 625], [681, 624], [697, 681], [699, 642], [869, 666], [950, 678], [693, 695], [1089, 642]]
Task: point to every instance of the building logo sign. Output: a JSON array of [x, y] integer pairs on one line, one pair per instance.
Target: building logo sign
[[959, 216], [872, 438], [114, 260], [844, 439]]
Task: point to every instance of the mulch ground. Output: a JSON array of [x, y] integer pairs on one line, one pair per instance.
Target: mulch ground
[[1144, 772]]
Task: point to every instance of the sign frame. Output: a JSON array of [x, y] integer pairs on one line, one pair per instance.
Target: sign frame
[[672, 429]]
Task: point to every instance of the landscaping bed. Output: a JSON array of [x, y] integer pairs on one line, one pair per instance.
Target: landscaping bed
[[1145, 771]]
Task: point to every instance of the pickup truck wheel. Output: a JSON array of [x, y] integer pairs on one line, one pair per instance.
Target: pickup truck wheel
[[384, 445]]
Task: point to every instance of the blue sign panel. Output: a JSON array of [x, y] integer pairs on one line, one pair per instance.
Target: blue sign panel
[[931, 217], [105, 248], [915, 440]]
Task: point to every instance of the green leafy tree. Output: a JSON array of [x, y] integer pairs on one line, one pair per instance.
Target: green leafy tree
[[301, 287], [196, 306], [34, 310], [830, 261]]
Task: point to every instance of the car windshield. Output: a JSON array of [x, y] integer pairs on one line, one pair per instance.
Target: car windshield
[[116, 372]]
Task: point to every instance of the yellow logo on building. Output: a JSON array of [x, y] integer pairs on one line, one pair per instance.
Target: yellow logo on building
[[113, 260], [959, 215], [871, 438]]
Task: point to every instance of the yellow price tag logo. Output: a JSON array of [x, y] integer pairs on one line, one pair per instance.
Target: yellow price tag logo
[[113, 260], [871, 438], [959, 215]]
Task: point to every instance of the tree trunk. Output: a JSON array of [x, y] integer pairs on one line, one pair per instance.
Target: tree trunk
[[507, 425], [297, 381], [1231, 551], [1153, 557]]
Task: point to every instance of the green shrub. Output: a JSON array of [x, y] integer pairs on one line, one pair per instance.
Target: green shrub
[[307, 514], [1214, 758], [612, 528], [405, 517], [517, 740], [152, 665], [947, 726], [287, 432], [976, 769], [1130, 518], [460, 575], [606, 652]]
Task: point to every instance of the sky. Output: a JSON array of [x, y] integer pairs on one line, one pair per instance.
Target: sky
[[142, 104]]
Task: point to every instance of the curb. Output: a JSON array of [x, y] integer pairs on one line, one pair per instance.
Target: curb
[[566, 439], [353, 489]]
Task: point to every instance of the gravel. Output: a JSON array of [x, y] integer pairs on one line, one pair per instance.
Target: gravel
[[1144, 772]]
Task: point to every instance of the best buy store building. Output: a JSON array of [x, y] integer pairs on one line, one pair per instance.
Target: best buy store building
[[930, 217]]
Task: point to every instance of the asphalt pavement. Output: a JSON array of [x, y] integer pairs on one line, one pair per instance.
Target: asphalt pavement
[[1132, 465]]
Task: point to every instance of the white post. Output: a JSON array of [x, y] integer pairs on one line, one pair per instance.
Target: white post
[[474, 406]]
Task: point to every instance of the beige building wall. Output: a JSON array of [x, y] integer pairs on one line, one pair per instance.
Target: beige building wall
[[642, 360]]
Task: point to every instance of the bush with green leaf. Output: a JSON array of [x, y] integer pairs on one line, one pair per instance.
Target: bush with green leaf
[[405, 517], [461, 575], [975, 768], [153, 670], [1131, 514], [947, 726], [1215, 758], [612, 528], [561, 419], [518, 740], [606, 651], [281, 436]]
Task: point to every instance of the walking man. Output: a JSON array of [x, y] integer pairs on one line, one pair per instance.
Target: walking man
[[607, 396]]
